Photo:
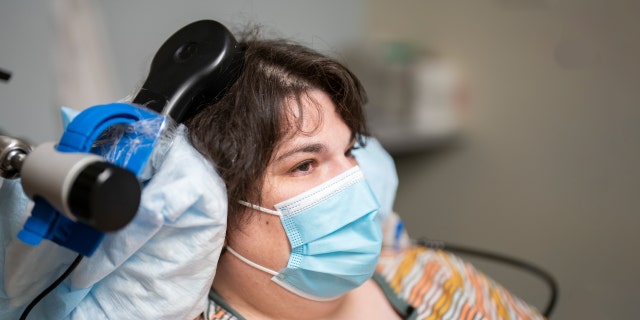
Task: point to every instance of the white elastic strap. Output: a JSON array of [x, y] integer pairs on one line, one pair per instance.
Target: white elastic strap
[[259, 208], [251, 263]]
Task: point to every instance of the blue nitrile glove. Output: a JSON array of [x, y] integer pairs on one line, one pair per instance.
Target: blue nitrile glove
[[160, 266], [380, 172]]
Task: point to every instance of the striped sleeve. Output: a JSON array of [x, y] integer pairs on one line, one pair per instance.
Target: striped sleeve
[[442, 286], [217, 312]]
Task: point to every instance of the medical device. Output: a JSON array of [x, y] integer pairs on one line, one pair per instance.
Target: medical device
[[90, 181], [79, 195], [81, 186], [195, 65]]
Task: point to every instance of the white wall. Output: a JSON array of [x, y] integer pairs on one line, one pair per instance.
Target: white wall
[[549, 170], [26, 101]]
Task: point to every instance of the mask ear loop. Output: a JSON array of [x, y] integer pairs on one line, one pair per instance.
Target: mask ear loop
[[259, 208], [245, 260], [251, 263]]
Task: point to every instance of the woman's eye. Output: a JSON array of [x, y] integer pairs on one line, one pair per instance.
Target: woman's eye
[[303, 167]]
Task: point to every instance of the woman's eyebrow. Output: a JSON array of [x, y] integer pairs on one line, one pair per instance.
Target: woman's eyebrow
[[307, 148]]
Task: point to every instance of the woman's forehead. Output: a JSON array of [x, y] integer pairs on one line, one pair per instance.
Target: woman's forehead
[[305, 113], [306, 118]]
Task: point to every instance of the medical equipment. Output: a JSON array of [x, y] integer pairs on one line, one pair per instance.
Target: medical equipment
[[177, 234], [81, 186], [197, 64], [12, 154], [79, 195]]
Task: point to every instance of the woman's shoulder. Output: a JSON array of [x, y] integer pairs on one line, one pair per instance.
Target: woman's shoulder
[[441, 285]]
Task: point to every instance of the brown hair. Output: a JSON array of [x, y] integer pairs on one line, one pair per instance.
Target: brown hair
[[240, 132]]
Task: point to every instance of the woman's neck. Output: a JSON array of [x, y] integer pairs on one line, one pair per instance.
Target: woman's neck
[[252, 293], [254, 296]]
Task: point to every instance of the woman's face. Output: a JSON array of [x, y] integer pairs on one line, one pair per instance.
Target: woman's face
[[303, 160]]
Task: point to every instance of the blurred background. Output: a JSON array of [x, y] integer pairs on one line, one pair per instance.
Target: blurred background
[[515, 124]]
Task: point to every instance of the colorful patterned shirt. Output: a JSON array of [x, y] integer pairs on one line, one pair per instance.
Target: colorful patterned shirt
[[423, 283]]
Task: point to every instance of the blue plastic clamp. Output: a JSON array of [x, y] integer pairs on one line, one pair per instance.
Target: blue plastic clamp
[[45, 221]]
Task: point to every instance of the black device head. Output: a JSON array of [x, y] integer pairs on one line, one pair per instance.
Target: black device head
[[197, 64]]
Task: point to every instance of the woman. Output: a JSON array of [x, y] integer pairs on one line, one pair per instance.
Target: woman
[[304, 240]]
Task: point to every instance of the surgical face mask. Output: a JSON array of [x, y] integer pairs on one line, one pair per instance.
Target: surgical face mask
[[334, 235]]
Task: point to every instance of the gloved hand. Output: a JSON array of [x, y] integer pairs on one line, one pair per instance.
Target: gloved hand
[[160, 266], [380, 172]]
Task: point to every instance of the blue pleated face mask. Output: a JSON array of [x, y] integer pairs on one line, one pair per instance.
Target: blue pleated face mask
[[334, 235]]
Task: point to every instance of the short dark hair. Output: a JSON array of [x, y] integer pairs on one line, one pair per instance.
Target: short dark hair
[[240, 132]]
